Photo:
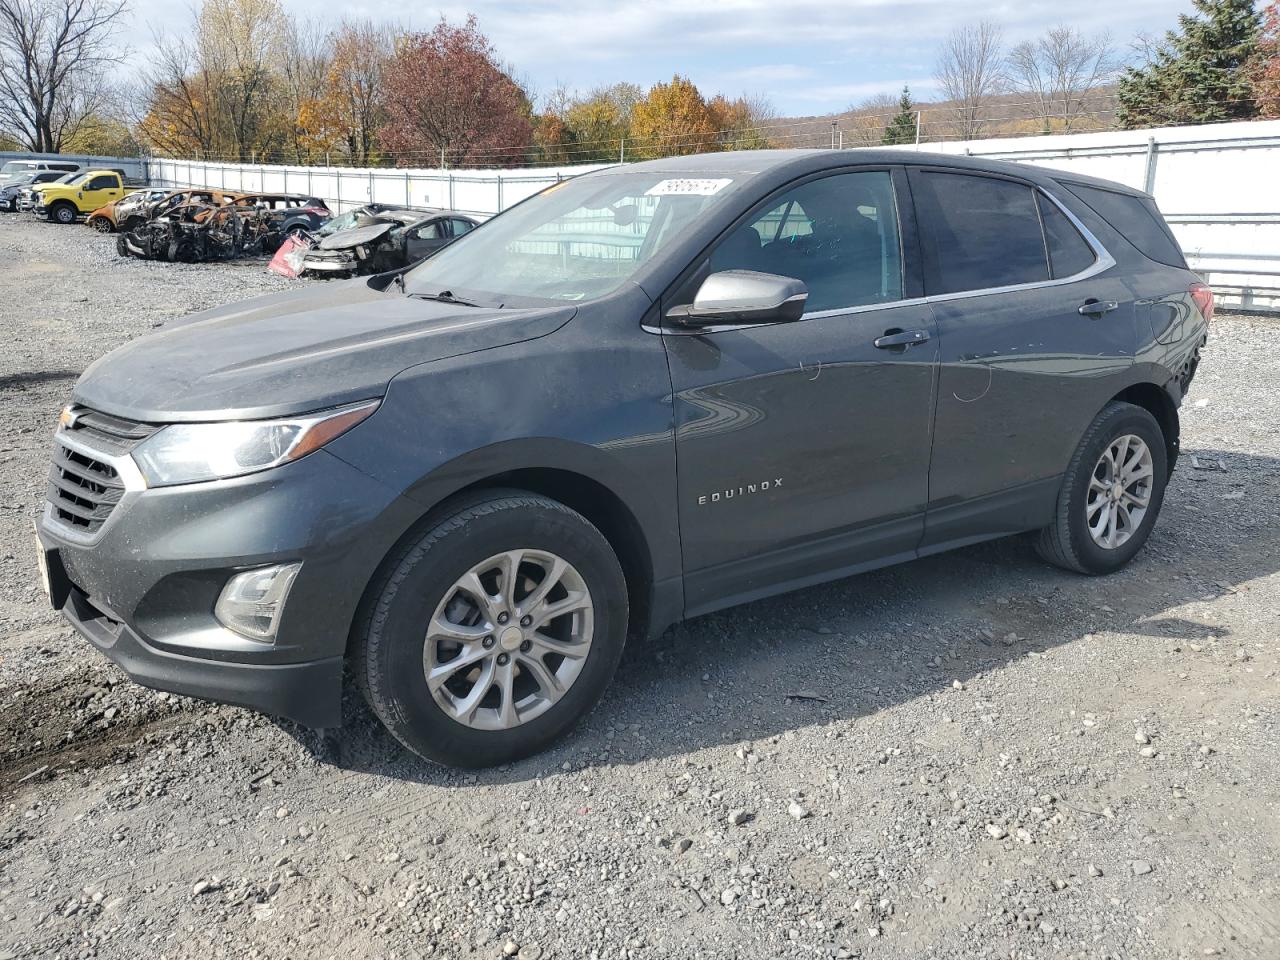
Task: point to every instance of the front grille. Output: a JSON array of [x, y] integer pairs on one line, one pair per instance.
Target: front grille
[[82, 490]]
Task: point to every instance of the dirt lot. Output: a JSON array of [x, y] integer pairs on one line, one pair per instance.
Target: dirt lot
[[970, 756]]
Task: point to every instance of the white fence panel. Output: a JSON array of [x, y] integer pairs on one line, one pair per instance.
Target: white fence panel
[[477, 192]]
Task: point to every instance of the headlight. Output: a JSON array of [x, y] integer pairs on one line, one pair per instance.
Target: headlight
[[191, 452]]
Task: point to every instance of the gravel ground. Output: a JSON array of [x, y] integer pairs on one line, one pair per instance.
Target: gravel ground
[[974, 755]]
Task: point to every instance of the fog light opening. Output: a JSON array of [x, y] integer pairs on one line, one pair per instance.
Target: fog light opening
[[251, 603]]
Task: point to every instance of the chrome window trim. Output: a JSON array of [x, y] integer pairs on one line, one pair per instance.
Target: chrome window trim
[[130, 476]]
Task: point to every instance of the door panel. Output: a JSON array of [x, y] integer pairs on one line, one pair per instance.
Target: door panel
[[803, 448], [1022, 372]]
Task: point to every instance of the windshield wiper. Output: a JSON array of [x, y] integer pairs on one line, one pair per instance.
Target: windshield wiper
[[445, 296]]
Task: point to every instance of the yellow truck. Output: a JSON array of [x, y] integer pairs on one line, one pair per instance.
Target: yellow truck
[[67, 202]]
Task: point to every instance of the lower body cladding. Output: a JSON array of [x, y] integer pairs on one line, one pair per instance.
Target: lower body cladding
[[154, 587]]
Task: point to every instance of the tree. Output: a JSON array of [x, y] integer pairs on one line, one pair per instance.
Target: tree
[[349, 108], [673, 120], [902, 128], [600, 122], [970, 71], [1265, 70], [215, 89], [1199, 73], [54, 55], [448, 98], [242, 41], [304, 68], [741, 124], [864, 123], [1057, 72]]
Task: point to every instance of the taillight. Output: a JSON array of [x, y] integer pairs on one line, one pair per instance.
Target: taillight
[[1202, 294]]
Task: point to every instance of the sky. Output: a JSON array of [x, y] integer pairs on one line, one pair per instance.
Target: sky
[[807, 56]]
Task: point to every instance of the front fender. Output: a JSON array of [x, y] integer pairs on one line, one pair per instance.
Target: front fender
[[591, 399]]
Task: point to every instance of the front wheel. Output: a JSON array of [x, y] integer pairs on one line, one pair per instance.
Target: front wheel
[[1111, 493], [63, 213], [490, 634]]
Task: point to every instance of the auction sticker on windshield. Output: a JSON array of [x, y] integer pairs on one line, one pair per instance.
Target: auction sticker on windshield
[[687, 187]]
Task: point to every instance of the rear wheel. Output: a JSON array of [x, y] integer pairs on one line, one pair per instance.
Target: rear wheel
[[489, 635], [101, 224], [1111, 493]]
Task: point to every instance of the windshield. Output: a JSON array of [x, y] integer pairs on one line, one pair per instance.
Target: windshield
[[577, 240]]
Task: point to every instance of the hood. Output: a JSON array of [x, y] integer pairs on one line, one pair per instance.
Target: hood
[[348, 239], [290, 353]]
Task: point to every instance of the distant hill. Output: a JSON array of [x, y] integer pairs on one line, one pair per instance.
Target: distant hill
[[1006, 115]]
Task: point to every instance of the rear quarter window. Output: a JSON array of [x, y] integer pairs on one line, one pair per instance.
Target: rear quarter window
[[1137, 218]]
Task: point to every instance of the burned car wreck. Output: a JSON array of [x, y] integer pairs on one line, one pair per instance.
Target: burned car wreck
[[369, 240], [251, 225]]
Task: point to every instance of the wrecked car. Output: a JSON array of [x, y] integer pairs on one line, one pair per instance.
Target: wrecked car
[[130, 212], [383, 241], [250, 225]]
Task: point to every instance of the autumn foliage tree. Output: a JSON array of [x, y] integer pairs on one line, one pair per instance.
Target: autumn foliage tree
[[672, 120], [347, 113], [448, 97], [1265, 70]]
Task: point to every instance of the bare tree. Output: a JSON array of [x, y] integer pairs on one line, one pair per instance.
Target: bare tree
[[53, 56], [176, 102], [1059, 70], [304, 64], [970, 71], [864, 123]]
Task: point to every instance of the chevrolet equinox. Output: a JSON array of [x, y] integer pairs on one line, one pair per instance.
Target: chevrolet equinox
[[643, 394]]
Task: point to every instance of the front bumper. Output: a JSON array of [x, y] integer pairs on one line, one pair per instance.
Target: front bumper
[[309, 693], [329, 261], [142, 588]]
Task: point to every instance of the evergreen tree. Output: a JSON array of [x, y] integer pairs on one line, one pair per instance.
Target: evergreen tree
[[1199, 72], [902, 128]]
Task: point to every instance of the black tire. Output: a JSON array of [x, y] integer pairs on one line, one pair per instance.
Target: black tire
[[122, 246], [389, 637], [63, 212], [102, 224], [1066, 542]]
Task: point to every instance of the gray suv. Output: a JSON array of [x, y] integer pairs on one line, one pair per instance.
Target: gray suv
[[644, 394]]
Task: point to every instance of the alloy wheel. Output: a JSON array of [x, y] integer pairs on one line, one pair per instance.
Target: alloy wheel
[[508, 639], [1120, 490]]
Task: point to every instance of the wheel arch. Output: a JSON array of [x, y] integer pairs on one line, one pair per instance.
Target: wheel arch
[[1157, 402], [596, 501], [61, 204]]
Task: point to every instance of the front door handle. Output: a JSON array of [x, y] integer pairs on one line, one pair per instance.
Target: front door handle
[[900, 338], [1096, 308]]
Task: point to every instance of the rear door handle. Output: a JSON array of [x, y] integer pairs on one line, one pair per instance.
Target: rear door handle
[[1096, 308], [901, 338]]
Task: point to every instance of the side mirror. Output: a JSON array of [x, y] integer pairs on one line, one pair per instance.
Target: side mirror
[[742, 297]]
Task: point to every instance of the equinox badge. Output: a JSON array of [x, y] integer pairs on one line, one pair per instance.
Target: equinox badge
[[743, 491]]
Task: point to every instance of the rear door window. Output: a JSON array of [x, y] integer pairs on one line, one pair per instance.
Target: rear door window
[[1069, 252], [978, 232], [839, 235], [461, 226]]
